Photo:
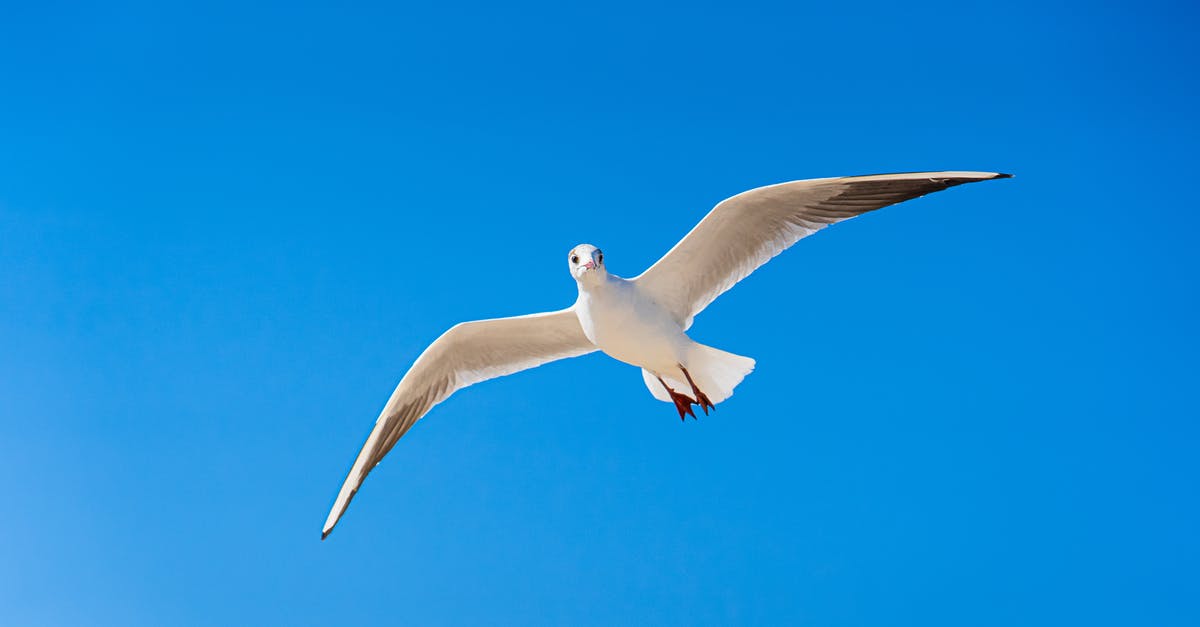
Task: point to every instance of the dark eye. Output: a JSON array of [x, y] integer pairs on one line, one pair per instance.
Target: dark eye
[[574, 258], [600, 256]]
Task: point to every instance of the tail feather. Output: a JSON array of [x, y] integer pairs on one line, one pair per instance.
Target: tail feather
[[715, 372]]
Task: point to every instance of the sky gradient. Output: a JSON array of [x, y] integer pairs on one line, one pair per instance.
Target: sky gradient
[[226, 232]]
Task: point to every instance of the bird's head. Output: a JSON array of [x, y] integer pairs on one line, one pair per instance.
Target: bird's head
[[586, 263]]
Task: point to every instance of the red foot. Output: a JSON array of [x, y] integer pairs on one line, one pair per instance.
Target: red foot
[[701, 399], [683, 402]]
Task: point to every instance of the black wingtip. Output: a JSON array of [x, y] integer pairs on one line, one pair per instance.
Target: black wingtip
[[325, 534], [1002, 175]]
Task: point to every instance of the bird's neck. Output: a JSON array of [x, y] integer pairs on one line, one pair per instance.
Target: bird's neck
[[594, 283]]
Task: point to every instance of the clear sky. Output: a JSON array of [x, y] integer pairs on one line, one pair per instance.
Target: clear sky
[[227, 230]]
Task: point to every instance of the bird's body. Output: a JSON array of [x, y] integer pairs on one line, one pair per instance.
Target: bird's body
[[628, 325], [642, 321]]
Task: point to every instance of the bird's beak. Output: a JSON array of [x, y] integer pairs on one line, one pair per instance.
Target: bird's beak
[[591, 265]]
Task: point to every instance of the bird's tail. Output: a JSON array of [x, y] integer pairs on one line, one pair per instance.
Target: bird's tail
[[714, 371]]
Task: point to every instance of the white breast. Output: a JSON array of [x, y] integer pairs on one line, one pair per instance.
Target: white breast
[[629, 327]]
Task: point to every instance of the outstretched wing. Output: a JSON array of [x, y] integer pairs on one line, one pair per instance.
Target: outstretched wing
[[466, 354], [745, 231]]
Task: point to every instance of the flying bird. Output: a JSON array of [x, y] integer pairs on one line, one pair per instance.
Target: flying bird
[[642, 321]]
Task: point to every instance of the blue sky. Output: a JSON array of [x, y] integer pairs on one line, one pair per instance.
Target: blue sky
[[226, 232]]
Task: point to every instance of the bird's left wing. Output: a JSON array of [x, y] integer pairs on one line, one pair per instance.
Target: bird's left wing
[[468, 353], [744, 232]]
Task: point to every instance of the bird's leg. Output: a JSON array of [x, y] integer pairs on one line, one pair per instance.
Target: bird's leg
[[683, 402], [701, 399]]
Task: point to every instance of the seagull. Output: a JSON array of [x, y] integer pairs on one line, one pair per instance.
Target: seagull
[[642, 321]]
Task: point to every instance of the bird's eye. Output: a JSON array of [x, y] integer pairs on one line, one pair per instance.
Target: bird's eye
[[574, 258], [600, 256]]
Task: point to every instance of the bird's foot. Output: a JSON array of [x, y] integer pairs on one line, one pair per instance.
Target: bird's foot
[[683, 402], [701, 399]]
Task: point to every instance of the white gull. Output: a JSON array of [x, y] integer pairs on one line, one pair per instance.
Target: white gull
[[642, 321]]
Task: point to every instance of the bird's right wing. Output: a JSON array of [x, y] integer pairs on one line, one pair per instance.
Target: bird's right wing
[[468, 353], [744, 232]]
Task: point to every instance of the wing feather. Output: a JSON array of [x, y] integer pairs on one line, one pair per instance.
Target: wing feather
[[744, 232], [466, 354]]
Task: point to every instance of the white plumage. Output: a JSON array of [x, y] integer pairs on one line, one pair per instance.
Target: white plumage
[[642, 321]]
